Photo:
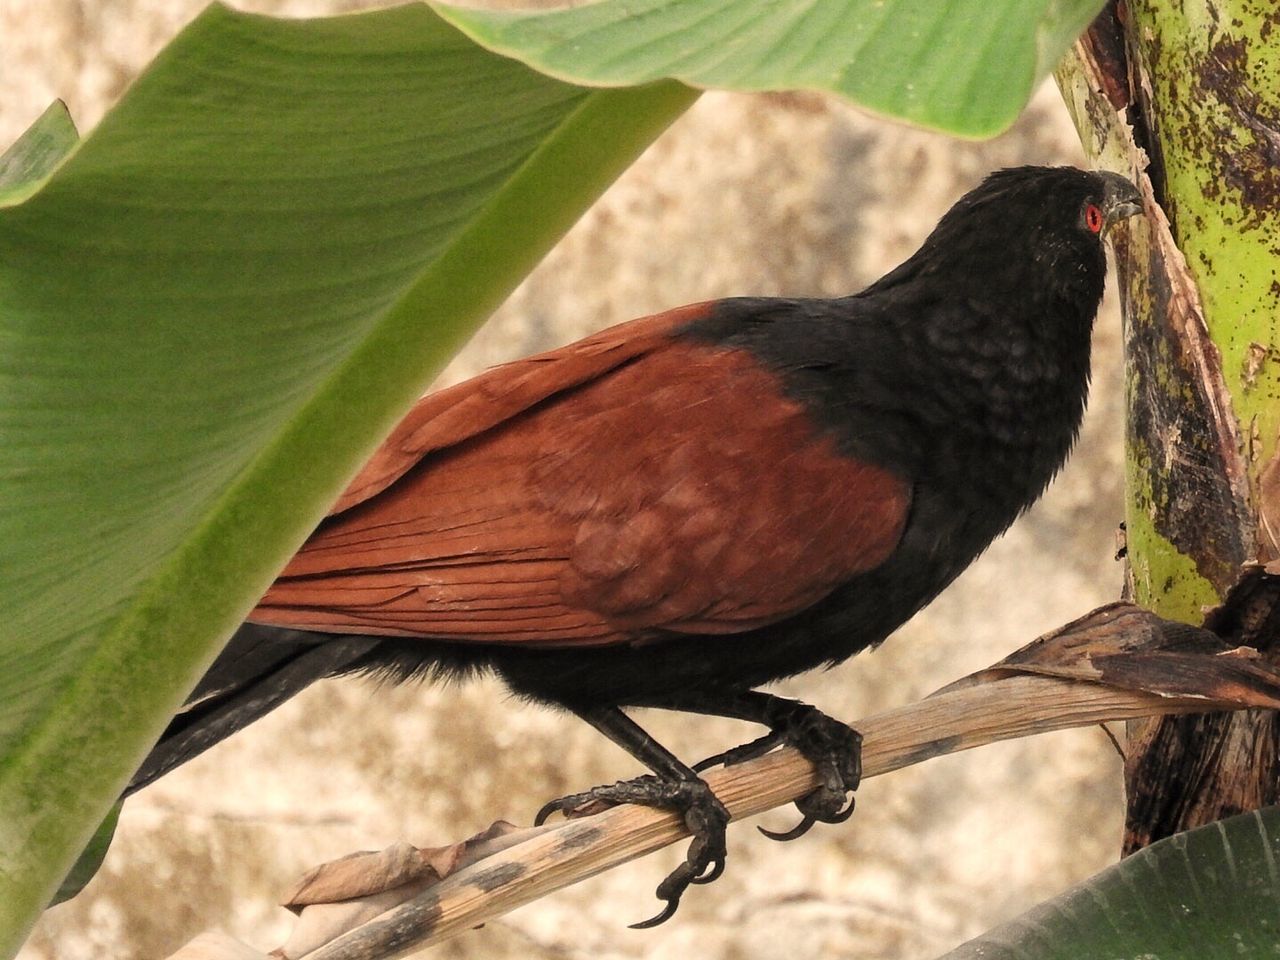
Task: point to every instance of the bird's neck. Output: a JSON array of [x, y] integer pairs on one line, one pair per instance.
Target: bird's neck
[[1001, 382], [929, 379]]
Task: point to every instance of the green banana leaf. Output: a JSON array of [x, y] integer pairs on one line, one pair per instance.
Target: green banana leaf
[[966, 66], [211, 309], [1211, 892]]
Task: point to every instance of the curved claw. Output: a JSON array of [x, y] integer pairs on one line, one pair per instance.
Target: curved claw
[[568, 806], [547, 810], [663, 916], [712, 872], [705, 818], [799, 830], [712, 761], [844, 814]]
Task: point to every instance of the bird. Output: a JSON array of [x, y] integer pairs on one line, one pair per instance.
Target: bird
[[680, 509]]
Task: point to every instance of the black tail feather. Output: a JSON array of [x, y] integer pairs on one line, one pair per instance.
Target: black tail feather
[[260, 668]]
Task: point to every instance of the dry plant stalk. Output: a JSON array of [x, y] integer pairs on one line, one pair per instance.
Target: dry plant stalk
[[1066, 679]]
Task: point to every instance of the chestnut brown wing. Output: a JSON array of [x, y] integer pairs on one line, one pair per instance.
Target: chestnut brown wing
[[623, 487], [448, 417]]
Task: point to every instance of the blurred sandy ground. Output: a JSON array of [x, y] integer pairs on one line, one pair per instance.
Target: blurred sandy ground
[[791, 194]]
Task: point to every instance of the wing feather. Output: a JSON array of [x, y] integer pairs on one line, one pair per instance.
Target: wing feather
[[629, 486]]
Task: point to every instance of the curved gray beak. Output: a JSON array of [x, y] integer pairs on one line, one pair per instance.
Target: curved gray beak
[[1120, 200]]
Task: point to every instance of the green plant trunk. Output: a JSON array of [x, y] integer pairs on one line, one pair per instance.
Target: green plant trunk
[[1187, 98]]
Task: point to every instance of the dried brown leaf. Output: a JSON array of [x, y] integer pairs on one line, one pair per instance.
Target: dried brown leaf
[[373, 872], [1125, 646], [361, 874], [339, 896]]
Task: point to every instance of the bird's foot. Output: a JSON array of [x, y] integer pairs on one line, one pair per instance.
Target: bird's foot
[[834, 748], [704, 815]]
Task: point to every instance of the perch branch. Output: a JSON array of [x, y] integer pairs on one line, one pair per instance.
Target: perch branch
[[1117, 663], [1013, 699]]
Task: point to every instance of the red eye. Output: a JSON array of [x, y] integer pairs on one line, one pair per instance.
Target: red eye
[[1093, 218]]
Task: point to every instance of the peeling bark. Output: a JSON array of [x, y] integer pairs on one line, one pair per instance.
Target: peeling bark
[[1198, 123], [1182, 436], [1182, 772], [1269, 512]]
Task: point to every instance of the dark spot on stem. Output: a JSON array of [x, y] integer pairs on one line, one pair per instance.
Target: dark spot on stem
[[580, 837], [927, 751], [1251, 165], [498, 876], [405, 927]]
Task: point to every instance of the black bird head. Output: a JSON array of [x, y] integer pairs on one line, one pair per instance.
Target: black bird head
[[1059, 200], [1036, 232], [1047, 211]]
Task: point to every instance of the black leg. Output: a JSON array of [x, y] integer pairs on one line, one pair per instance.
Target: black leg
[[833, 747], [675, 786]]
